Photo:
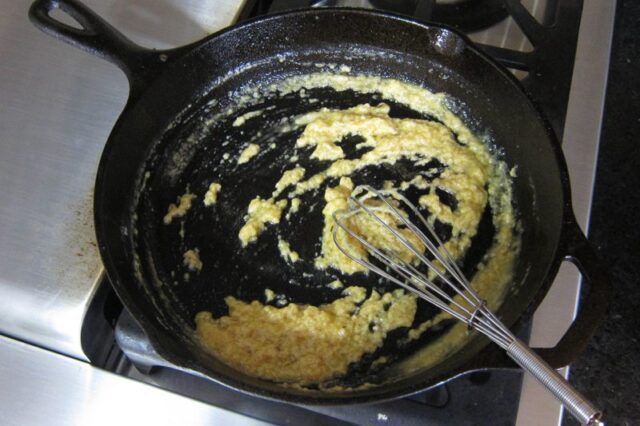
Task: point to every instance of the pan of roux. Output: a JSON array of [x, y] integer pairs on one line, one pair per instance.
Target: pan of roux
[[216, 188]]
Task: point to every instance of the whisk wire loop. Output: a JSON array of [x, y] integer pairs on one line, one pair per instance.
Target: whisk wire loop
[[461, 301], [468, 294]]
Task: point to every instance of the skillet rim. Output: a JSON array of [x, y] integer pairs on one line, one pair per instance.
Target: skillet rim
[[182, 55]]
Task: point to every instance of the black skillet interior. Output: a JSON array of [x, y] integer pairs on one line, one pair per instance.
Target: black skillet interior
[[245, 272], [178, 83], [273, 48]]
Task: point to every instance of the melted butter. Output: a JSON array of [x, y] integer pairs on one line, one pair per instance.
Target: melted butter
[[180, 209], [304, 343]]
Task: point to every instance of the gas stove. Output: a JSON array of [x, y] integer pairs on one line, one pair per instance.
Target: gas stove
[[53, 292]]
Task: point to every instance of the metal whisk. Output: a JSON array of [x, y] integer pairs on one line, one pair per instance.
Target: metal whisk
[[389, 211]]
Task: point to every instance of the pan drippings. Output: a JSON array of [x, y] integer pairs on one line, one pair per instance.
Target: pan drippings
[[440, 164]]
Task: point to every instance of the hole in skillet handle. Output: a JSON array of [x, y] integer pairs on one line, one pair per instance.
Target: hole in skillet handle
[[99, 38], [594, 299], [95, 35], [64, 18]]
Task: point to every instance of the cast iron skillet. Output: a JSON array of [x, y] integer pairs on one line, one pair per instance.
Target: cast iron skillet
[[160, 145]]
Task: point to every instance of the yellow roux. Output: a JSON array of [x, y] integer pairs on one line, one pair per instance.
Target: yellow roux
[[180, 209], [286, 252], [304, 344], [191, 259], [248, 153], [211, 196]]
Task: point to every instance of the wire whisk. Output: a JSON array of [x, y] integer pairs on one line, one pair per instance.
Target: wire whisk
[[409, 253]]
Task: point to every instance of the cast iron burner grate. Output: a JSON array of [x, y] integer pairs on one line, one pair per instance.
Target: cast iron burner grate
[[464, 15]]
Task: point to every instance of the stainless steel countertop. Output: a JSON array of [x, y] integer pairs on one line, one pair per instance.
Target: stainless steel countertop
[[58, 107], [70, 392]]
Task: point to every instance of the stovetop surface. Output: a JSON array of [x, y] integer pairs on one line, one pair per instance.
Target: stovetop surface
[[61, 103], [58, 107]]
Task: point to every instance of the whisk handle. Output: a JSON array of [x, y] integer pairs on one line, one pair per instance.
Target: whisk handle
[[572, 400]]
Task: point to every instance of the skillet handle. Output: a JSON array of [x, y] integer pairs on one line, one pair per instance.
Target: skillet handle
[[594, 299], [98, 38]]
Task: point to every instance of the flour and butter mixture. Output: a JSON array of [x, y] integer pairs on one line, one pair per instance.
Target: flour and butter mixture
[[304, 343], [453, 178]]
